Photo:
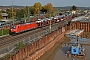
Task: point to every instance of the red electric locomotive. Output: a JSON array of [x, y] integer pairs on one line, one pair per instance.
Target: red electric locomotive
[[22, 27]]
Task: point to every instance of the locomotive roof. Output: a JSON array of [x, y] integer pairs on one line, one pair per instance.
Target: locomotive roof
[[24, 23]]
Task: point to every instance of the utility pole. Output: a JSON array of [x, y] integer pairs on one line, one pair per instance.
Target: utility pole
[[2, 29], [28, 14], [50, 18], [25, 18], [38, 14], [12, 13], [50, 23]]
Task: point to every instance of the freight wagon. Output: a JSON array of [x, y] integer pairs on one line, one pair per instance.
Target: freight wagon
[[39, 23]]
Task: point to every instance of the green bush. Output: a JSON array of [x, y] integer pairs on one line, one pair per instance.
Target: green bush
[[21, 45], [4, 32]]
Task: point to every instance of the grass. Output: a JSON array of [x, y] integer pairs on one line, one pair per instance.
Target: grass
[[21, 45], [7, 56], [4, 32]]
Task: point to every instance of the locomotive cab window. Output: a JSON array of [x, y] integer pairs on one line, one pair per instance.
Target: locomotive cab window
[[13, 27]]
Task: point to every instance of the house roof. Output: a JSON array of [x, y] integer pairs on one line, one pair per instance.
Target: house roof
[[4, 14]]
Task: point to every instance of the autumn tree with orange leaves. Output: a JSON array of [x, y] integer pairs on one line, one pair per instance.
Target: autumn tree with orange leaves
[[37, 7], [49, 8]]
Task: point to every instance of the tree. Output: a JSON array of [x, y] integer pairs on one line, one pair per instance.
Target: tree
[[26, 10], [44, 9], [32, 10], [50, 8], [37, 7], [74, 8], [9, 12], [20, 13]]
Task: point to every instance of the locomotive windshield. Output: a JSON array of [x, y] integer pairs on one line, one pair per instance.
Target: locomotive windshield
[[13, 27]]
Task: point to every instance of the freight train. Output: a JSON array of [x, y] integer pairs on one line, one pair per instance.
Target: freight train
[[15, 29]]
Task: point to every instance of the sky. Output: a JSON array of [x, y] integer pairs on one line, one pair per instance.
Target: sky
[[55, 3]]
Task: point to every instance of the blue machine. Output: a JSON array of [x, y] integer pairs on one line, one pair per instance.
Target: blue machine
[[76, 49]]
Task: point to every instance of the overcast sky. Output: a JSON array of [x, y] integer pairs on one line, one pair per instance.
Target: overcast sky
[[56, 3]]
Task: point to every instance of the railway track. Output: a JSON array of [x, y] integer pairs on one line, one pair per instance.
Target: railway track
[[5, 41], [6, 38]]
